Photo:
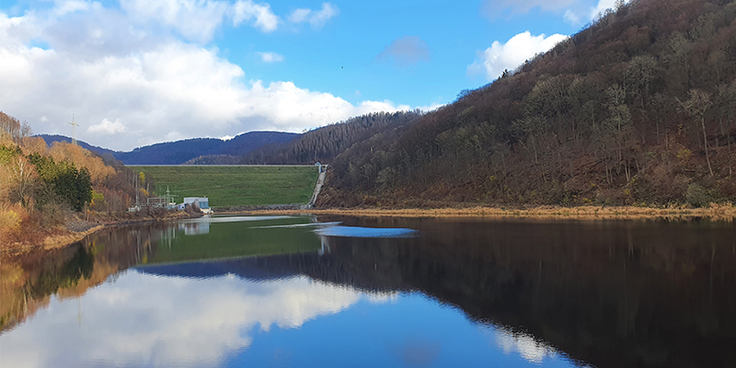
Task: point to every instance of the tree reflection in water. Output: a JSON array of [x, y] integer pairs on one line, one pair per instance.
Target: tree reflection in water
[[606, 293]]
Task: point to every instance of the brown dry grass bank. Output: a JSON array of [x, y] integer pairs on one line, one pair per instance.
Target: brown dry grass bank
[[714, 212], [75, 229]]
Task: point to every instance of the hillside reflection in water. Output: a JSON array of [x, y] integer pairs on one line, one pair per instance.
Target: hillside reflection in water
[[271, 291]]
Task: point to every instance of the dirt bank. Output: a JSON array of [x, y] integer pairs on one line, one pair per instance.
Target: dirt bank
[[76, 228], [591, 213]]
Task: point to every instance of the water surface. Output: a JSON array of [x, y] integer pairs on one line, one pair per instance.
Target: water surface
[[341, 291]]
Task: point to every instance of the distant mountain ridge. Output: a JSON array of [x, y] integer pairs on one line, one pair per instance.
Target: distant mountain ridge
[[179, 152], [325, 143], [319, 145]]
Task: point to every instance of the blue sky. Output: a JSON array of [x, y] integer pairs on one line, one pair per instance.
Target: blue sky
[[136, 72]]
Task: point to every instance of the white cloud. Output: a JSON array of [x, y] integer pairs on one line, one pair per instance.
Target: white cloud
[[582, 13], [260, 14], [405, 51], [495, 59], [64, 7], [167, 321], [197, 20], [101, 64], [300, 15], [431, 107], [571, 17], [15, 32], [289, 107], [107, 127], [602, 6], [316, 19], [271, 57]]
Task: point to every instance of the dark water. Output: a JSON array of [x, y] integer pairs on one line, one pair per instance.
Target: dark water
[[330, 291]]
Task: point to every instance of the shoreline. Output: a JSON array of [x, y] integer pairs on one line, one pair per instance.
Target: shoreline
[[715, 212], [69, 237], [583, 213], [50, 242]]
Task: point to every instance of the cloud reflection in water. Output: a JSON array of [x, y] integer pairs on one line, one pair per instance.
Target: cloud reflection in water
[[146, 320], [526, 345]]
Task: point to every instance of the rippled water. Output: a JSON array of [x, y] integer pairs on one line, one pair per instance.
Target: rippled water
[[337, 291]]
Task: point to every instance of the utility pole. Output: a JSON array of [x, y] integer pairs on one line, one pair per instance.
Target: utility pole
[[74, 130]]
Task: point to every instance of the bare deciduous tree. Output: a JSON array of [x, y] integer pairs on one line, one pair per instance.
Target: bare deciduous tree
[[697, 106], [21, 179]]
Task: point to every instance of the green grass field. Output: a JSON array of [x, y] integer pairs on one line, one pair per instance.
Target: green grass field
[[235, 185]]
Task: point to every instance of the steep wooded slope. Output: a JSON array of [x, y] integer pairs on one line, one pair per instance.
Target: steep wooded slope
[[325, 143], [638, 108]]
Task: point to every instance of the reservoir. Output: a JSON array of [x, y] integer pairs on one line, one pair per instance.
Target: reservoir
[[331, 291]]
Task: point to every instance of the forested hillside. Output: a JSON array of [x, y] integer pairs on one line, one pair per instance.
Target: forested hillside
[[41, 187], [638, 108], [50, 139], [324, 144]]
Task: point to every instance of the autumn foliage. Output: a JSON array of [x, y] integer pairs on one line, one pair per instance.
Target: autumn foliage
[[40, 186]]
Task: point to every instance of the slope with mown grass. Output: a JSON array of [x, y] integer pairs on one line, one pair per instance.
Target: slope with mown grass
[[235, 185]]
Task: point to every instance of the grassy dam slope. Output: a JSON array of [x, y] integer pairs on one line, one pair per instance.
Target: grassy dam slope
[[235, 185], [226, 240]]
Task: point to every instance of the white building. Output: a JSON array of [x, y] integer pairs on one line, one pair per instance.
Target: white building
[[203, 203]]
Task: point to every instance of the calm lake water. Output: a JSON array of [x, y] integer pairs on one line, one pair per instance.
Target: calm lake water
[[352, 292]]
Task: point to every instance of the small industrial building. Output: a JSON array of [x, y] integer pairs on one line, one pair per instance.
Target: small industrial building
[[203, 203]]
